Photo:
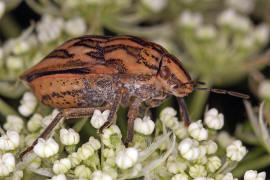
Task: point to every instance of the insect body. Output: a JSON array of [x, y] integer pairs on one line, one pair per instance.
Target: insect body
[[104, 72]]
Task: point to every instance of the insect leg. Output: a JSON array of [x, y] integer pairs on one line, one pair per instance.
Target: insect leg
[[68, 114], [132, 114], [113, 110], [183, 110]]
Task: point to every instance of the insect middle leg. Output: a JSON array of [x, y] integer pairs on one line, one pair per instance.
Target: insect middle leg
[[70, 113]]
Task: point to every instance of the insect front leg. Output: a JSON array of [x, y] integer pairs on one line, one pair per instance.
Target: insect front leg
[[132, 114], [70, 113]]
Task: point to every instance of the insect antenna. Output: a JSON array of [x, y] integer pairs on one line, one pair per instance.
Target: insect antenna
[[222, 91]]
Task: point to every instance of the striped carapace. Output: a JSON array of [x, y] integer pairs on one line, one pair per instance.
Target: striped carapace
[[103, 72]]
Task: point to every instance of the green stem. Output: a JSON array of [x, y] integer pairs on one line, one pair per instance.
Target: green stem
[[5, 109], [255, 163], [198, 101]]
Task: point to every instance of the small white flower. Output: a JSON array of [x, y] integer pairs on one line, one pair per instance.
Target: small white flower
[[21, 47], [236, 151], [197, 131], [46, 148], [17, 175], [94, 143], [144, 126], [49, 28], [155, 5], [126, 159], [28, 104], [61, 166], [213, 163], [14, 63], [190, 20], [35, 122], [211, 146], [176, 166], [254, 175], [2, 8], [197, 171], [167, 116], [244, 6], [99, 175], [108, 133], [35, 163], [74, 159], [264, 89], [181, 176], [75, 26], [85, 151], [181, 131], [262, 33], [14, 123], [69, 136], [189, 149], [213, 119], [108, 152], [59, 177], [98, 118], [10, 141], [206, 32], [7, 164], [82, 172]]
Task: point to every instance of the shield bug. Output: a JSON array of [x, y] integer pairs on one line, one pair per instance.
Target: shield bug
[[104, 72]]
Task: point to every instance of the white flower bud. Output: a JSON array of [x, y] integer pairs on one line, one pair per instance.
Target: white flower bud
[[190, 20], [2, 8], [82, 172], [155, 5], [35, 122], [213, 119], [108, 132], [61, 166], [206, 32], [99, 175], [94, 143], [46, 148], [181, 176], [261, 33], [7, 164], [203, 178], [74, 159], [228, 176], [14, 123], [49, 28], [35, 163], [98, 118], [10, 141], [176, 166], [264, 89], [108, 152], [197, 171], [28, 104], [197, 131], [85, 151], [202, 150], [126, 159], [189, 149], [14, 63], [17, 175], [236, 151], [213, 163], [21, 47], [254, 175], [167, 116], [144, 126], [181, 131], [59, 177], [211, 146], [75, 26], [69, 136]]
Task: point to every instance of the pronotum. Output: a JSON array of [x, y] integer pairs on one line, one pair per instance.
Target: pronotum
[[105, 72]]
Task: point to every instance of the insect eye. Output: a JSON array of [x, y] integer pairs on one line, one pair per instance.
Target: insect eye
[[165, 72]]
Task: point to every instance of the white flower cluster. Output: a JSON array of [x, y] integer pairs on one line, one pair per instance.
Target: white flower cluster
[[28, 104]]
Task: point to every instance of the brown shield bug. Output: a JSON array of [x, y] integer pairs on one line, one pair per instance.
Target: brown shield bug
[[104, 72]]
